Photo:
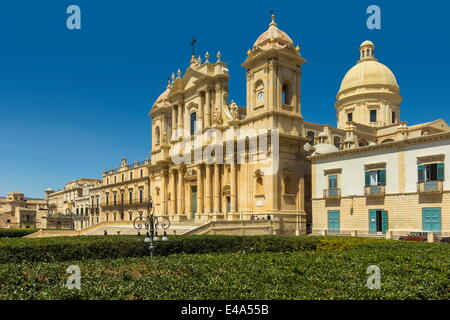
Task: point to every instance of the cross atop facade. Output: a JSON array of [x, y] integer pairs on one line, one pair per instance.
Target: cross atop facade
[[193, 45]]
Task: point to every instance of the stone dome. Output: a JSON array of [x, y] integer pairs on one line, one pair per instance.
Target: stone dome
[[367, 43], [273, 34], [324, 148], [366, 73], [163, 98]]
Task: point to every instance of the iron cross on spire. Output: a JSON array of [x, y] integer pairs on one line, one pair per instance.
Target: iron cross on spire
[[193, 46]]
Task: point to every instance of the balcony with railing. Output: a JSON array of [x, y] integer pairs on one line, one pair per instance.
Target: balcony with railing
[[374, 191], [134, 203], [94, 209], [426, 187], [332, 193]]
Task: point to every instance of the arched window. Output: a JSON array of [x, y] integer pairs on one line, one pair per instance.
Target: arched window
[[286, 94], [158, 136], [193, 123], [311, 137], [337, 142]]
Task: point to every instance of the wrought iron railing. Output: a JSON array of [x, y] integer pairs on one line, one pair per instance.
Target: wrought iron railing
[[430, 186], [332, 193], [374, 191], [126, 203]]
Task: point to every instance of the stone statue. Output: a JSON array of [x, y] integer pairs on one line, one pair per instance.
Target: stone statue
[[234, 110], [217, 117]]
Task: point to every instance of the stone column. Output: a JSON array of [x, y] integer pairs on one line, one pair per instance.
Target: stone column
[[208, 188], [233, 194], [180, 119], [216, 188], [164, 192], [201, 107], [180, 208], [219, 95], [174, 123], [173, 203], [199, 190], [301, 193], [208, 108]]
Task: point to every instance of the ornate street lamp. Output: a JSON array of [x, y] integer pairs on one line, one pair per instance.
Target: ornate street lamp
[[152, 223]]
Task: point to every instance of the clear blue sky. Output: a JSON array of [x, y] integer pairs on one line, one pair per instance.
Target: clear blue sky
[[73, 103]]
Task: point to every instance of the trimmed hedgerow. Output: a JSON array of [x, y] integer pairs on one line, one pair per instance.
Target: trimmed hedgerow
[[408, 271], [101, 247], [16, 232]]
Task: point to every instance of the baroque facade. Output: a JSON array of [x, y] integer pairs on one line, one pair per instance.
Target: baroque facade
[[214, 160]]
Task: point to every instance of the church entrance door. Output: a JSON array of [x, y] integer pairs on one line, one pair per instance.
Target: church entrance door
[[193, 201]]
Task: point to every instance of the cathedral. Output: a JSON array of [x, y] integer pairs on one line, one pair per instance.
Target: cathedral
[[214, 160]]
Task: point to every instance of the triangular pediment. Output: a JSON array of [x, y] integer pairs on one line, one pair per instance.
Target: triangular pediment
[[188, 81]]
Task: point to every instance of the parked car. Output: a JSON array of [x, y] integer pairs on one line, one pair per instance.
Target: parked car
[[415, 236], [446, 240]]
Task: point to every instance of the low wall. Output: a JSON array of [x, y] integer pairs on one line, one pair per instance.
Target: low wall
[[248, 228], [70, 233]]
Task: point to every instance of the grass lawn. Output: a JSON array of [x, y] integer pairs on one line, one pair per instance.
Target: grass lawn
[[335, 269]]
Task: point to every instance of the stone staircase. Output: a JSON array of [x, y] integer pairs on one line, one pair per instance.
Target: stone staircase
[[124, 228]]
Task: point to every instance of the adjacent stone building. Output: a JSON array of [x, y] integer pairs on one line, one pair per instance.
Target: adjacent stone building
[[70, 208], [124, 192], [17, 211], [384, 176]]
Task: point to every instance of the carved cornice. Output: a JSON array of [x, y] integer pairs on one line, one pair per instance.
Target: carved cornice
[[383, 146]]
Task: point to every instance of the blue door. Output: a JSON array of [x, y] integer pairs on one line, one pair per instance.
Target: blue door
[[334, 220], [373, 221], [431, 219], [378, 221]]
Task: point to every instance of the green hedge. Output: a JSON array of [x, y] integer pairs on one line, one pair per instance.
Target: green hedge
[[16, 233], [408, 271], [101, 247]]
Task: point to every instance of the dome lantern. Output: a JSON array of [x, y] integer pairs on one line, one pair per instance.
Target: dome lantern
[[367, 51]]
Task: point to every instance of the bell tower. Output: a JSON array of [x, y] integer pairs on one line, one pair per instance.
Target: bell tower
[[273, 73]]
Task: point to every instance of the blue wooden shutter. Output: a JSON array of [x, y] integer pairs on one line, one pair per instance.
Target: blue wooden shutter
[[427, 219], [440, 171], [421, 173], [332, 182], [383, 177], [373, 220], [367, 178], [437, 220], [385, 223]]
